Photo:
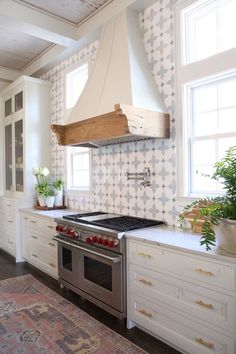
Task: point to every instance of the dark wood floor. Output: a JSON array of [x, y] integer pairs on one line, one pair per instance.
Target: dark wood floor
[[9, 269]]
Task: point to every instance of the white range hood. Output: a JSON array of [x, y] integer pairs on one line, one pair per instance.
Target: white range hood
[[120, 101]]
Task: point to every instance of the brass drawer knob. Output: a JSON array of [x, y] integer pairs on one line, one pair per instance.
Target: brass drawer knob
[[204, 304], [50, 227], [34, 255], [146, 282], [33, 222], [145, 313], [52, 265], [145, 255], [51, 244], [205, 343], [205, 272], [35, 237]]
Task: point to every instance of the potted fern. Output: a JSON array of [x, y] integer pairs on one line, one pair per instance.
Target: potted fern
[[217, 215]]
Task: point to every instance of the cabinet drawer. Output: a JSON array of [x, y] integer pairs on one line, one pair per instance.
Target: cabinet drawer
[[193, 268], [193, 337], [207, 305], [8, 206], [44, 244], [43, 226], [43, 261]]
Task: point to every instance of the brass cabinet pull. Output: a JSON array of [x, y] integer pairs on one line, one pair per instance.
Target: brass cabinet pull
[[146, 282], [204, 304], [9, 205], [145, 313], [34, 255], [205, 343], [25, 218], [35, 237], [202, 271], [11, 243], [10, 221], [51, 244], [50, 227], [33, 222], [52, 265], [144, 255]]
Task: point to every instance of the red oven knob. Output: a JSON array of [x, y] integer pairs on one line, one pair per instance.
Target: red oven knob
[[111, 243], [88, 240], [68, 231], [63, 228], [105, 242], [58, 227], [94, 239], [73, 234], [100, 240]]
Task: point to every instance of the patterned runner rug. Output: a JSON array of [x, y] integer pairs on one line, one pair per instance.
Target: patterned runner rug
[[34, 319]]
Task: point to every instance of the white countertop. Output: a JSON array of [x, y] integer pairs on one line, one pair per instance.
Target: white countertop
[[178, 239], [52, 214], [174, 238]]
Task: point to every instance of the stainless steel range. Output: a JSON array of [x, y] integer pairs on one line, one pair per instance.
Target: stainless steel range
[[91, 256]]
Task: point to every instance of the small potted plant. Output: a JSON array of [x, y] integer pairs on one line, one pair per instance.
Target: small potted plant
[[41, 186], [50, 197], [217, 215], [58, 191]]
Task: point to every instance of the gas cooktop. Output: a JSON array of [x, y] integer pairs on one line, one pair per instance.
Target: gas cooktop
[[112, 221]]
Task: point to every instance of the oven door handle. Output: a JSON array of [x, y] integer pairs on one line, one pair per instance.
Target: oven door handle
[[113, 259], [61, 241]]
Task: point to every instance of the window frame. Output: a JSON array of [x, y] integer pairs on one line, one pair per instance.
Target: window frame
[[70, 185], [67, 155], [186, 74]]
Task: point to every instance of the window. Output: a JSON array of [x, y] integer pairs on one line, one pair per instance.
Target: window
[[75, 82], [78, 158], [206, 86], [208, 28], [79, 168]]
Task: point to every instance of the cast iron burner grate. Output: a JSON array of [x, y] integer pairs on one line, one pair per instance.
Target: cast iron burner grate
[[76, 217], [125, 223]]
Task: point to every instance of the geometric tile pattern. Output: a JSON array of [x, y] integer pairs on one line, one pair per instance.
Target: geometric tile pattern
[[111, 190]]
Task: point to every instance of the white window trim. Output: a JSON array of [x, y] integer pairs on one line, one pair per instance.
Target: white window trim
[[81, 190], [67, 112], [185, 74]]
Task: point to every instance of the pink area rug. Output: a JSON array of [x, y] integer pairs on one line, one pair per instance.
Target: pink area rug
[[34, 319]]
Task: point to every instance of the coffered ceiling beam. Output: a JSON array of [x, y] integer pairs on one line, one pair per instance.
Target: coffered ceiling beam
[[37, 23], [8, 74]]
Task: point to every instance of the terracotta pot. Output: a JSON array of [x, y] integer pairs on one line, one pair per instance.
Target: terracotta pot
[[225, 234]]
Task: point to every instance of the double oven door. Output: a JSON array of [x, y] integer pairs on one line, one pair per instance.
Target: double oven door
[[96, 272]]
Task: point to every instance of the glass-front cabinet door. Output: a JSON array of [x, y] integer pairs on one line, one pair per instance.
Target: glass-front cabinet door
[[14, 157], [8, 158], [19, 171]]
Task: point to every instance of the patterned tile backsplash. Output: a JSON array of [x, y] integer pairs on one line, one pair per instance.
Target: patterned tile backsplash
[[111, 190]]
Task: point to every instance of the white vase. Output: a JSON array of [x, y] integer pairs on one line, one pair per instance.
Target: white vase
[[58, 197], [50, 201], [41, 200], [225, 234]]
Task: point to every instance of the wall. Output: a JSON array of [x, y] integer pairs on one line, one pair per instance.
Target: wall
[[111, 190]]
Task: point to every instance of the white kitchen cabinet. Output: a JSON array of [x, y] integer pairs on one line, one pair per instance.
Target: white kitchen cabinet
[[186, 300], [38, 247], [25, 128]]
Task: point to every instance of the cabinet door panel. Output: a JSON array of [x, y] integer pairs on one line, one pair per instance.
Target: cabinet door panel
[[8, 158], [19, 156]]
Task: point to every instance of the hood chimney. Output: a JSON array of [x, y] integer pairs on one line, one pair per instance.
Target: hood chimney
[[120, 101]]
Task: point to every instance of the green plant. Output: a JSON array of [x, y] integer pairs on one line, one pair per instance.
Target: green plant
[[210, 210], [58, 184], [48, 193], [42, 185]]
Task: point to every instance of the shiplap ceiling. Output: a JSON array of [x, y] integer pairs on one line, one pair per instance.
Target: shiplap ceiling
[[36, 34], [74, 11]]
